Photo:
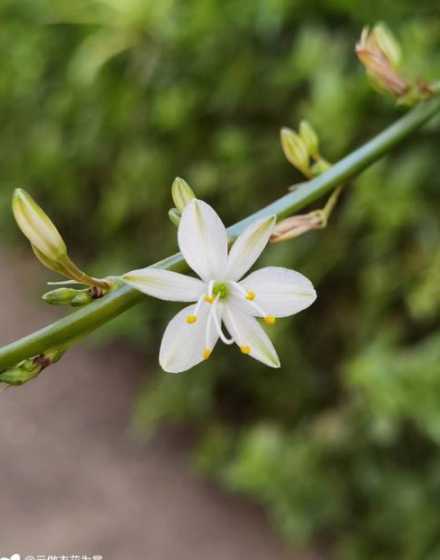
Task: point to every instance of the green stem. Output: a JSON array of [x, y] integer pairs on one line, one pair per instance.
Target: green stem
[[87, 319]]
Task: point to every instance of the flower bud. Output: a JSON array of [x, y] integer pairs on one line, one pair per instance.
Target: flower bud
[[30, 368], [320, 167], [53, 356], [295, 150], [23, 372], [81, 298], [182, 193], [387, 43], [309, 137], [174, 216], [60, 296], [46, 241], [379, 52], [38, 227]]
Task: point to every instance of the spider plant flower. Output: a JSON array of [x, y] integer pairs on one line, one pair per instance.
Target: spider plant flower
[[219, 298]]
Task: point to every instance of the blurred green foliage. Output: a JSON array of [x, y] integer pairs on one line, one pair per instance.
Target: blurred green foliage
[[104, 102]]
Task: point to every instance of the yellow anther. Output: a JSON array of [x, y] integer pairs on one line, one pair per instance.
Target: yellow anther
[[245, 349], [209, 299], [191, 319], [270, 320], [250, 295], [206, 353]]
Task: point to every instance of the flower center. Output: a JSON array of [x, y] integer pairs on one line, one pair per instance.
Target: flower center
[[221, 290]]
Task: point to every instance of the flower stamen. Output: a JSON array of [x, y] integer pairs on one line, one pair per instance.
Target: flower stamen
[[245, 349], [206, 353], [210, 288], [250, 296], [214, 316], [192, 317]]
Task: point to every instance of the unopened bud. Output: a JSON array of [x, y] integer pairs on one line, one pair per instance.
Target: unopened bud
[[54, 355], [295, 149], [182, 193], [23, 372], [60, 296], [379, 52], [30, 368], [309, 137], [46, 241], [37, 227], [319, 167], [82, 298], [174, 216]]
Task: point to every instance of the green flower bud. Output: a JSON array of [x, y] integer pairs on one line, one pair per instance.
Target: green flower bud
[[82, 298], [54, 355], [321, 166], [295, 149], [38, 227], [30, 368], [309, 137], [174, 216], [60, 296], [46, 241], [182, 193], [22, 373], [15, 376]]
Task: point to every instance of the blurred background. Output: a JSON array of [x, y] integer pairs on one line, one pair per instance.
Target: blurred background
[[102, 104]]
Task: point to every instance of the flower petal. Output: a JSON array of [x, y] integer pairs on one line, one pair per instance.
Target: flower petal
[[165, 284], [203, 241], [183, 344], [248, 247], [279, 291], [250, 336]]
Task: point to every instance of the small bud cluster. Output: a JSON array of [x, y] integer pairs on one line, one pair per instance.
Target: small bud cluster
[[28, 369], [182, 194], [72, 296], [302, 150], [380, 53]]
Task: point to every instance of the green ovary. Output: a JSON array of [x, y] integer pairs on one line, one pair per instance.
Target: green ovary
[[220, 289]]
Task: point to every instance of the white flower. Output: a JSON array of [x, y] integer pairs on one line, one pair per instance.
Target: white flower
[[219, 297]]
